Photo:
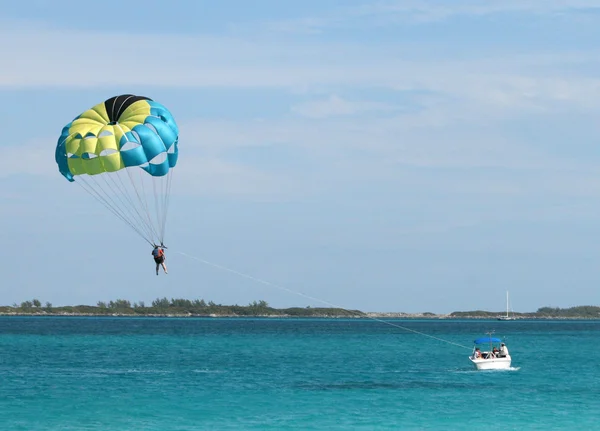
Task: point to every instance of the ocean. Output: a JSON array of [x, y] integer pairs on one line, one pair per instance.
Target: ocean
[[167, 374]]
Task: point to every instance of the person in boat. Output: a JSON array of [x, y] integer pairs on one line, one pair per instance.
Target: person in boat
[[495, 351], [159, 258], [503, 350], [477, 353]]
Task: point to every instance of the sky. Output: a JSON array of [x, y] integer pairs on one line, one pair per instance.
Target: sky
[[408, 156]]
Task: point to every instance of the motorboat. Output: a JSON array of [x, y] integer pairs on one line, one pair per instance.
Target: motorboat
[[495, 358]]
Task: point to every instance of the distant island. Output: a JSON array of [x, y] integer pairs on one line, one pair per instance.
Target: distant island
[[164, 307]]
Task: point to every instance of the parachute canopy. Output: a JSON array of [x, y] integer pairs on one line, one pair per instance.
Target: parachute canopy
[[123, 151], [487, 340]]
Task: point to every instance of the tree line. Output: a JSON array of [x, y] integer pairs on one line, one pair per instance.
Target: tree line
[[582, 311], [175, 306], [200, 307]]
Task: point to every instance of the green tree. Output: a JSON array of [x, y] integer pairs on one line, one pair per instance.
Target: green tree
[[119, 304], [199, 303], [181, 303], [161, 304]]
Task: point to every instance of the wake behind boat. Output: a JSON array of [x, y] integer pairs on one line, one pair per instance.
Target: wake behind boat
[[496, 358]]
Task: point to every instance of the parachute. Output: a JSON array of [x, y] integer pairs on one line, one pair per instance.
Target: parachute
[[122, 152]]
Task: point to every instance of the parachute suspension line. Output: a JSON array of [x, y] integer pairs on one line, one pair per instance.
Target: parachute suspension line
[[128, 218], [143, 210], [166, 196], [85, 186], [165, 201], [147, 230], [130, 198], [159, 187], [123, 196], [143, 204], [267, 283], [158, 211], [144, 201], [106, 197], [161, 204], [140, 211], [104, 202]]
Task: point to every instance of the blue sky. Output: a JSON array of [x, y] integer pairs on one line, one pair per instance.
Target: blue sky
[[387, 156]]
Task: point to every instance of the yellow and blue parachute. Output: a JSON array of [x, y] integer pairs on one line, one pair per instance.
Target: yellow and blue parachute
[[123, 151]]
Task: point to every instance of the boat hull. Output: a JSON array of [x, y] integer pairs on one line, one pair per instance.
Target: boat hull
[[492, 363]]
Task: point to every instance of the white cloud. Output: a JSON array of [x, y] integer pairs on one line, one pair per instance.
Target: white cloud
[[421, 10], [194, 175], [395, 140], [32, 157], [428, 151], [47, 57], [393, 12], [201, 176], [371, 151], [335, 106], [454, 127]]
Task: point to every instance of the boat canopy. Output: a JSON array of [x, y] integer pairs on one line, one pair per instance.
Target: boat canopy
[[487, 340]]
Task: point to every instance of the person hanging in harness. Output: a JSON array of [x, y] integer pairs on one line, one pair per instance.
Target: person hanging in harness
[[159, 257]]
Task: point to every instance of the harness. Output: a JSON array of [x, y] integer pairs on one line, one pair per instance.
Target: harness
[[160, 254]]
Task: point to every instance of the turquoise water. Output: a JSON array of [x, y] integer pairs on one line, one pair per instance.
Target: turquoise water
[[70, 373]]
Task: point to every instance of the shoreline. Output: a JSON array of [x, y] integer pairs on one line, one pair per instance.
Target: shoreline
[[184, 308], [367, 315]]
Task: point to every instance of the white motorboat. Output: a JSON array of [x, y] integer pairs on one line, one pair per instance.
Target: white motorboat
[[495, 358]]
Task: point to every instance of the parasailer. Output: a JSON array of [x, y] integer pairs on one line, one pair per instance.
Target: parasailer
[[159, 258], [122, 152]]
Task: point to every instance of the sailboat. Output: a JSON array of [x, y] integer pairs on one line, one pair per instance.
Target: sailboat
[[507, 317]]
